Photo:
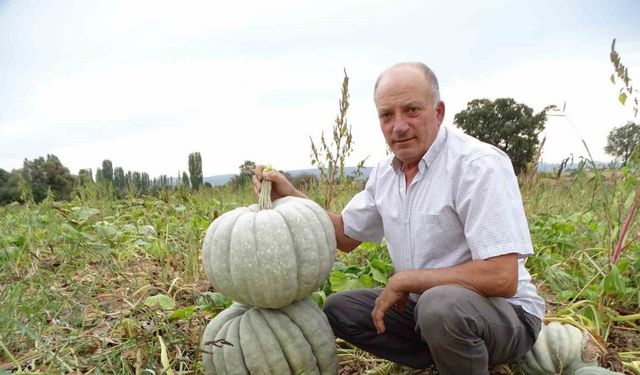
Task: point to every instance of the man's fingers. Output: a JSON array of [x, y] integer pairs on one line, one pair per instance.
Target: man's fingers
[[255, 184], [377, 315], [258, 171]]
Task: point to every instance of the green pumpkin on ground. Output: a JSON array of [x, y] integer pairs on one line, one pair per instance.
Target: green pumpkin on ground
[[295, 339]]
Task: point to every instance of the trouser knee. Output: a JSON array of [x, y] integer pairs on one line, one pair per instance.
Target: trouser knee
[[447, 310], [345, 317]]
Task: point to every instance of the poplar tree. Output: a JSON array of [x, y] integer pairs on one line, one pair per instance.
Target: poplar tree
[[195, 170]]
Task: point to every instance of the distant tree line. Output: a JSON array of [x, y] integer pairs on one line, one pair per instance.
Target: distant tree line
[[510, 126], [42, 177], [35, 180]]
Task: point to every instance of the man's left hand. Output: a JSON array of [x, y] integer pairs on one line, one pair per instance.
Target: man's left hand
[[392, 296]]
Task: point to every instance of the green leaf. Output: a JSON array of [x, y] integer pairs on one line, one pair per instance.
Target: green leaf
[[338, 281], [82, 214], [216, 299], [613, 282], [341, 282], [181, 313], [364, 282], [613, 80], [164, 301], [319, 297], [378, 276], [622, 98]]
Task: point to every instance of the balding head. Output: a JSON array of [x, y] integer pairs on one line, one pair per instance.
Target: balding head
[[430, 77]]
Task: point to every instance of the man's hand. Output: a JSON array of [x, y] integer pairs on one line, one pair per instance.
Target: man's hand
[[392, 296], [280, 186], [491, 277]]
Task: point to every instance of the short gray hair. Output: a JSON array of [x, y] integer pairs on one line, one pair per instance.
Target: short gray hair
[[434, 87]]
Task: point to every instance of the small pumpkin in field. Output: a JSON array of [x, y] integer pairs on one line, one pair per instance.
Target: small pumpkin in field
[[244, 340], [560, 349], [269, 255]]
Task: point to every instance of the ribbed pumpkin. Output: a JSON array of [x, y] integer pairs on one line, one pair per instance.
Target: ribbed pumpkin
[[589, 370], [296, 339], [269, 256], [559, 349]]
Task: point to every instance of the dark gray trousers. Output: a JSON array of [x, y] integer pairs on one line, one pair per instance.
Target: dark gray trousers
[[454, 329]]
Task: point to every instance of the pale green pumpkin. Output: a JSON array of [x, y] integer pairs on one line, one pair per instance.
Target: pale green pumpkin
[[270, 257], [296, 339], [560, 349], [590, 370]]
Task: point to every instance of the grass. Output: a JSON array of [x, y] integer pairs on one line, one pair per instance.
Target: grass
[[98, 285]]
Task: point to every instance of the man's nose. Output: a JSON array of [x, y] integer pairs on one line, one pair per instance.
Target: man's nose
[[400, 125]]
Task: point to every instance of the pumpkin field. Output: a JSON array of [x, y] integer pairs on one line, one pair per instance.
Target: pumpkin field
[[116, 286]]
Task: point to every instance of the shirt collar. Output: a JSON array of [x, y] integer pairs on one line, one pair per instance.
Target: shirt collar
[[429, 156]]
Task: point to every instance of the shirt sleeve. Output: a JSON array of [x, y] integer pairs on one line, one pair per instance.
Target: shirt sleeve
[[361, 218], [490, 208]]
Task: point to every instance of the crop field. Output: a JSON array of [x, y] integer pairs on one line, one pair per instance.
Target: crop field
[[115, 286]]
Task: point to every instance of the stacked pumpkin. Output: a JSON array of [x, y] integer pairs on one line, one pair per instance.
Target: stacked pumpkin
[[269, 258]]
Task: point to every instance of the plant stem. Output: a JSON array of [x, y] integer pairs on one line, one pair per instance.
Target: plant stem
[[264, 202], [623, 232]]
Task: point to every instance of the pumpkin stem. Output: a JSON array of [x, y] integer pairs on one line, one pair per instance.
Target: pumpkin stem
[[264, 202]]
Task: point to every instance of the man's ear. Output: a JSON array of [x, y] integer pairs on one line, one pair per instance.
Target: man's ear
[[440, 110]]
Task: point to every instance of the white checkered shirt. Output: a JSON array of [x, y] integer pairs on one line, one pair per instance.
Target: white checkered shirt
[[464, 204]]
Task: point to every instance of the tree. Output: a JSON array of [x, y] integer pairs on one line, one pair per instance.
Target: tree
[[85, 176], [195, 170], [622, 140], [43, 174], [185, 180], [506, 124], [107, 171], [246, 171], [99, 178], [119, 182], [9, 188], [59, 179], [144, 182]]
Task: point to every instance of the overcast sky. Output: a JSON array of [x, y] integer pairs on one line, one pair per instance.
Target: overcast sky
[[144, 83]]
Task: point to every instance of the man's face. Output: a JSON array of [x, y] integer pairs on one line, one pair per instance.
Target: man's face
[[407, 116]]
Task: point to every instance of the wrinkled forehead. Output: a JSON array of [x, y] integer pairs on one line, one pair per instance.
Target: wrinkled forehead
[[402, 82]]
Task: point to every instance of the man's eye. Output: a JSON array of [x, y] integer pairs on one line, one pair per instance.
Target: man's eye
[[413, 109], [385, 116]]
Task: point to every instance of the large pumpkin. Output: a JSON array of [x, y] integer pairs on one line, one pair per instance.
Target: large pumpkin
[[244, 340], [270, 257], [590, 370], [560, 349]]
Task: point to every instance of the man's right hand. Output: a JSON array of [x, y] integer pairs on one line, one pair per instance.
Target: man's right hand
[[280, 186]]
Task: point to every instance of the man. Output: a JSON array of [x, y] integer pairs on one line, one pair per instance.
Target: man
[[450, 210]]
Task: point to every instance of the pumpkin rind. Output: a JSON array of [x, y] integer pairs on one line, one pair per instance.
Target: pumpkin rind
[[270, 258], [558, 350], [294, 340], [592, 370], [210, 332]]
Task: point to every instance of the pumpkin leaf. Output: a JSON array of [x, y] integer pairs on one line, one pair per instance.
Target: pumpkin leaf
[[341, 282], [182, 313], [214, 299], [379, 276], [365, 282], [164, 301]]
